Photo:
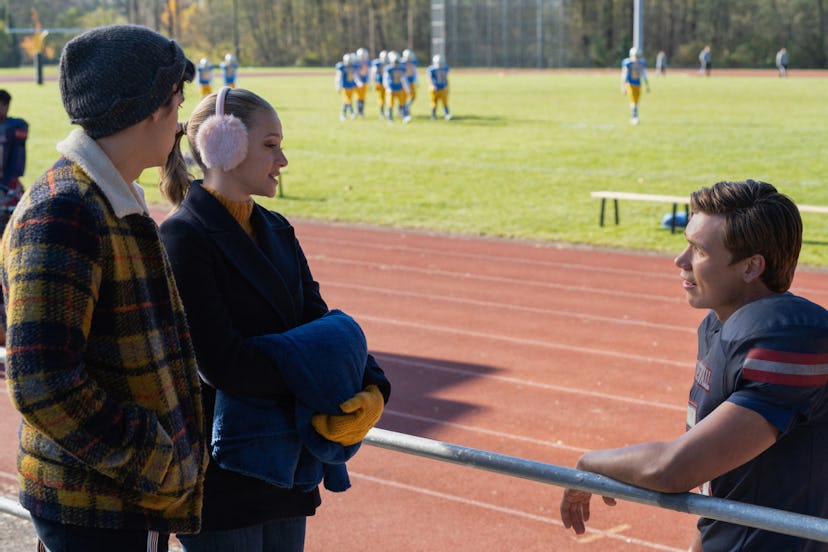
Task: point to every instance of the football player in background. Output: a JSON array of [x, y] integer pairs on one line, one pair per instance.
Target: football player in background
[[347, 81], [396, 88], [409, 63], [438, 78], [13, 134], [204, 71], [229, 70], [377, 70], [633, 72], [363, 69]]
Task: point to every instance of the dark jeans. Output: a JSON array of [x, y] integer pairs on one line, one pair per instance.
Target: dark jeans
[[59, 537], [283, 535]]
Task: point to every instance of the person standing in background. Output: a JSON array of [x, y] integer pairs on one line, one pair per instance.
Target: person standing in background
[[396, 87], [661, 63], [363, 70], [782, 62], [633, 73], [705, 61], [13, 135], [229, 70], [377, 70], [205, 76], [346, 81], [438, 79], [410, 65]]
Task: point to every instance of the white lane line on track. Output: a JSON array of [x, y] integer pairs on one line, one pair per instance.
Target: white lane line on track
[[519, 308], [612, 292], [498, 258], [521, 341], [509, 511], [532, 262], [529, 383], [474, 429]]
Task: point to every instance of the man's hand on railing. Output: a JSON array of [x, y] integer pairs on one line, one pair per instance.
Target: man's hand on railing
[[575, 509]]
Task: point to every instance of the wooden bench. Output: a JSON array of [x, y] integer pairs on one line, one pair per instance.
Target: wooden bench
[[675, 200], [813, 209], [615, 196]]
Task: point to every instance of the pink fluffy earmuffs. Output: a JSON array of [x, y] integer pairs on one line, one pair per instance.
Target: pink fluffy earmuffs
[[222, 138]]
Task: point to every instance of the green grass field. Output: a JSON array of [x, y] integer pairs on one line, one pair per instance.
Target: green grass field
[[523, 151]]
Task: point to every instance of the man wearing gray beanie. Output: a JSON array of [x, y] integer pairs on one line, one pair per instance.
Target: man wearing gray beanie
[[99, 358]]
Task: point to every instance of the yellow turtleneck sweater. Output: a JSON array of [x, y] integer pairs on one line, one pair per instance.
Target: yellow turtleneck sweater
[[240, 210]]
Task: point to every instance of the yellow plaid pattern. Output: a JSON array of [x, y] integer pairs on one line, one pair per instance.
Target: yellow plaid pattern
[[99, 363]]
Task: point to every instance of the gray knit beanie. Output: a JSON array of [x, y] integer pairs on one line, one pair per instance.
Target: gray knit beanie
[[115, 76]]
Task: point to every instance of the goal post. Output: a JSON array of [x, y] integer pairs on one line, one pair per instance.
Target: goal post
[[500, 33]]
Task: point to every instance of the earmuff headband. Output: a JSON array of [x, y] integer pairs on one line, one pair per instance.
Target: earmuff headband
[[222, 94], [222, 139]]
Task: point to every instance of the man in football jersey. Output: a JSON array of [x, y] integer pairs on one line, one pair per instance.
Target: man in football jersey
[[757, 421], [363, 69], [229, 70], [13, 134], [410, 63], [377, 70], [204, 71], [633, 72], [396, 87], [346, 82], [438, 87]]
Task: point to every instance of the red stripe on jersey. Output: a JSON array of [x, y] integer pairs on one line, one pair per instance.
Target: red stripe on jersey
[[788, 358], [784, 368], [797, 380]]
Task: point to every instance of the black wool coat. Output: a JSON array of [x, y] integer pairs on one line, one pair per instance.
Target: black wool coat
[[233, 288]]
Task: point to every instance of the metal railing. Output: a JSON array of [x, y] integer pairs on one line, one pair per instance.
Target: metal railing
[[779, 521], [9, 506]]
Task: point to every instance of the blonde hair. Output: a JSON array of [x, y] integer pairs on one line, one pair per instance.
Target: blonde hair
[[175, 177]]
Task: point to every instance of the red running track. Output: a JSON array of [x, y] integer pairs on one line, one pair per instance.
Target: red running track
[[536, 351]]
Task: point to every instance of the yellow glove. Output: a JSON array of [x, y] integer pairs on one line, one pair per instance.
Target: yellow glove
[[362, 411]]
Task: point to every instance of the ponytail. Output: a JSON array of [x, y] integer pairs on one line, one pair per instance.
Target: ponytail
[[175, 178]]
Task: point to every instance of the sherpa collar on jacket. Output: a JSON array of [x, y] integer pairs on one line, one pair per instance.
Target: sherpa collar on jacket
[[126, 199]]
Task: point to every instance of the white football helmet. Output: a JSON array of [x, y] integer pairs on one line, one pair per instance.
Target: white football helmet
[[383, 56], [408, 55], [362, 54], [437, 60], [635, 53], [393, 57]]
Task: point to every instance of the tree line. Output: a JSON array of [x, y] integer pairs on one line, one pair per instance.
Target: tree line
[[594, 33]]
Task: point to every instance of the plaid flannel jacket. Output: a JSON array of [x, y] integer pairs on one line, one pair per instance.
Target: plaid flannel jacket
[[99, 358]]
